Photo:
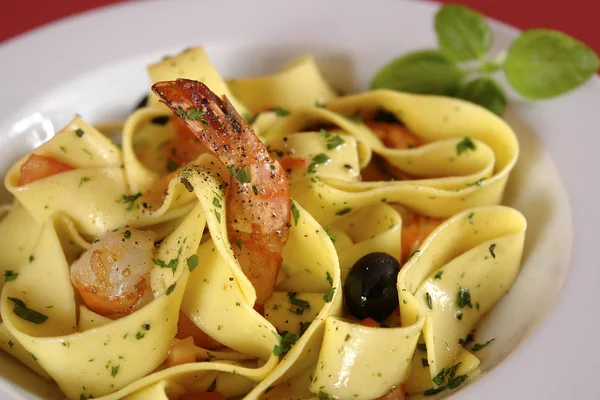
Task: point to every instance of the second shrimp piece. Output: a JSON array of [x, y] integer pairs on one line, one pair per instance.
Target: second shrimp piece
[[113, 276]]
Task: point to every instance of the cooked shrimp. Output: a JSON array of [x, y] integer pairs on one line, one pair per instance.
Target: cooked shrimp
[[113, 276], [38, 167], [415, 229], [258, 200]]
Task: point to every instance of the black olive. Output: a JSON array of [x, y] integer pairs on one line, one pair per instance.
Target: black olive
[[370, 290]]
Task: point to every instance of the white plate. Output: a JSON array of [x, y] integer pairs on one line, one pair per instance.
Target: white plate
[[94, 64]]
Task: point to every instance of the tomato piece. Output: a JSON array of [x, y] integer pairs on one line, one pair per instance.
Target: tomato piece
[[186, 328], [414, 232], [290, 163], [181, 352], [394, 135], [395, 394], [370, 322], [204, 396], [38, 167]]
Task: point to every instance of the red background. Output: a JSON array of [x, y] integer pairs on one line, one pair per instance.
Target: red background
[[578, 18]]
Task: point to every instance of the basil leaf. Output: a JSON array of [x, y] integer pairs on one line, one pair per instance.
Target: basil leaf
[[462, 33], [543, 63], [426, 72], [486, 92]]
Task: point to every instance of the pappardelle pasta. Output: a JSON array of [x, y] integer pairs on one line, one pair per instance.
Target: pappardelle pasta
[[260, 238]]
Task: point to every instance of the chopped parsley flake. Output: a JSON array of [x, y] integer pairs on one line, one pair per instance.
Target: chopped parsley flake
[[300, 303], [242, 175], [331, 237], [429, 301], [320, 158], [464, 298], [344, 211], [464, 145], [255, 189], [170, 289], [83, 180], [438, 275], [303, 327], [218, 215], [79, 132], [295, 213], [476, 183], [140, 335], [31, 258], [22, 311], [324, 396], [329, 279], [114, 371], [470, 217], [127, 234], [412, 254], [478, 346], [287, 340], [171, 264], [280, 112], [492, 248], [466, 340], [10, 275], [192, 262], [332, 141], [239, 243], [192, 114], [328, 296], [216, 202], [130, 199]]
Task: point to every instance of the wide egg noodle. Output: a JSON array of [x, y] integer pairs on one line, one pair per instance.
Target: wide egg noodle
[[298, 84], [231, 320], [329, 361], [95, 187], [75, 359], [19, 231], [478, 250], [420, 381], [194, 64], [480, 174], [140, 134], [310, 269], [349, 364]]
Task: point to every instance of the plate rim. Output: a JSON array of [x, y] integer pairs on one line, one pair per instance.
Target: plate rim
[[507, 376]]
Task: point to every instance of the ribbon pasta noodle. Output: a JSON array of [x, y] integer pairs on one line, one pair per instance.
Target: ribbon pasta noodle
[[201, 323]]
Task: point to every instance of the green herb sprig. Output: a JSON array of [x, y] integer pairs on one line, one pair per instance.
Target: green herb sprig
[[539, 64]]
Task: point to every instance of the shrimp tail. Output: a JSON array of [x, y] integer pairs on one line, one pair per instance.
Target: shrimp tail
[[194, 101]]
